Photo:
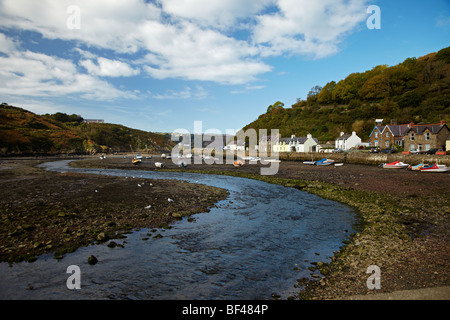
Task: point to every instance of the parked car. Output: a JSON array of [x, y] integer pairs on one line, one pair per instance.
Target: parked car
[[432, 151], [414, 151], [388, 150], [337, 151]]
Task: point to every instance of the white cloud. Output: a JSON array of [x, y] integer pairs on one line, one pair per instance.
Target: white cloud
[[191, 40], [215, 13], [308, 27], [187, 93], [109, 68], [27, 73]]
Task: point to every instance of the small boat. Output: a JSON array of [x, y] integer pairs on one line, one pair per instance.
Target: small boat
[[395, 165], [135, 160], [338, 164], [102, 157], [435, 168], [309, 162], [416, 167], [159, 164], [238, 164], [324, 162], [138, 156], [272, 160]]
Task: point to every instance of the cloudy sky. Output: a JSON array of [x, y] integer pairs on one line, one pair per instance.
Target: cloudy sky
[[160, 65]]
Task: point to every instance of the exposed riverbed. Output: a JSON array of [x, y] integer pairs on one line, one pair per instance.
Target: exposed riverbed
[[254, 244]]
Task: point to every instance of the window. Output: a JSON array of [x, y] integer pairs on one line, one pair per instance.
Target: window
[[387, 144], [427, 136], [376, 134], [427, 147], [412, 148], [387, 134], [412, 136]]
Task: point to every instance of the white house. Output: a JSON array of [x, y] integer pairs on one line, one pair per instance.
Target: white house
[[297, 144], [347, 141], [235, 145]]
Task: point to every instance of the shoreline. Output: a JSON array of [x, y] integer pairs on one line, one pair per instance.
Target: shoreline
[[45, 212], [404, 228]]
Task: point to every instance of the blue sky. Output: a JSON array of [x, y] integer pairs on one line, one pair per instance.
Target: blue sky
[[161, 65]]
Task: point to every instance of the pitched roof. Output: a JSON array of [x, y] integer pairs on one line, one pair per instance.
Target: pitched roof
[[420, 128], [299, 140], [344, 137], [398, 130]]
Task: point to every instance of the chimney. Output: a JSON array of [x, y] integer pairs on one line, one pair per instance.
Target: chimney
[[309, 136], [342, 133], [354, 133], [442, 122], [293, 136]]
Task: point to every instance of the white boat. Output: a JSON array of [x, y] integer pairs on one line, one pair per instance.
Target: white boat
[[395, 165], [435, 168], [272, 160], [338, 164], [159, 165], [309, 162]]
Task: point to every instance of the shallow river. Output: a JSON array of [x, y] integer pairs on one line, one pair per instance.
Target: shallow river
[[256, 243]]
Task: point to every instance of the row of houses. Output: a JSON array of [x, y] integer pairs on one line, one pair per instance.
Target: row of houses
[[411, 137], [298, 144]]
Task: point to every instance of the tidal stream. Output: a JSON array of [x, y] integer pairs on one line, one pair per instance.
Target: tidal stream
[[256, 243]]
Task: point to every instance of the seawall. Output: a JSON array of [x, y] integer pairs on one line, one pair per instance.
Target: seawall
[[367, 158]]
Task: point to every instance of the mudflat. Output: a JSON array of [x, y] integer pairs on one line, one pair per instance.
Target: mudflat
[[404, 224], [49, 212]]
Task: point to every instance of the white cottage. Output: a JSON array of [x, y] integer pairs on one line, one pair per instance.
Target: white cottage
[[297, 144], [347, 141]]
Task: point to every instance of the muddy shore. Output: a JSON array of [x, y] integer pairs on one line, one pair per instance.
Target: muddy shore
[[404, 216], [404, 222], [47, 212]]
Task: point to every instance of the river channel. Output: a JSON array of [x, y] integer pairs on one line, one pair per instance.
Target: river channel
[[253, 244]]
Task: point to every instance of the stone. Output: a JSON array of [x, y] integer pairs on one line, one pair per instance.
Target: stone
[[92, 260]]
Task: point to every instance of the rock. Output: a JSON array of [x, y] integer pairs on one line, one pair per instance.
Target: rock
[[92, 260], [102, 236], [112, 244]]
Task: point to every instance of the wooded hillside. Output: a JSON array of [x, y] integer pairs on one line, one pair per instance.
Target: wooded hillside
[[418, 90]]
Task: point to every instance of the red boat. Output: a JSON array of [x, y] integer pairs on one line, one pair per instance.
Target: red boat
[[435, 168]]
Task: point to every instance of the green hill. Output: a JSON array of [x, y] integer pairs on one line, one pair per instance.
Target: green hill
[[418, 90], [23, 132]]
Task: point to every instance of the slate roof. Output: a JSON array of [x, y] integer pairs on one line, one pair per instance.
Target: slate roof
[[420, 128], [298, 140]]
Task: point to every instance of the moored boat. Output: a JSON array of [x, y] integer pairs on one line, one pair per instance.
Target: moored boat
[[324, 162], [416, 167], [435, 168], [238, 164], [395, 165]]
